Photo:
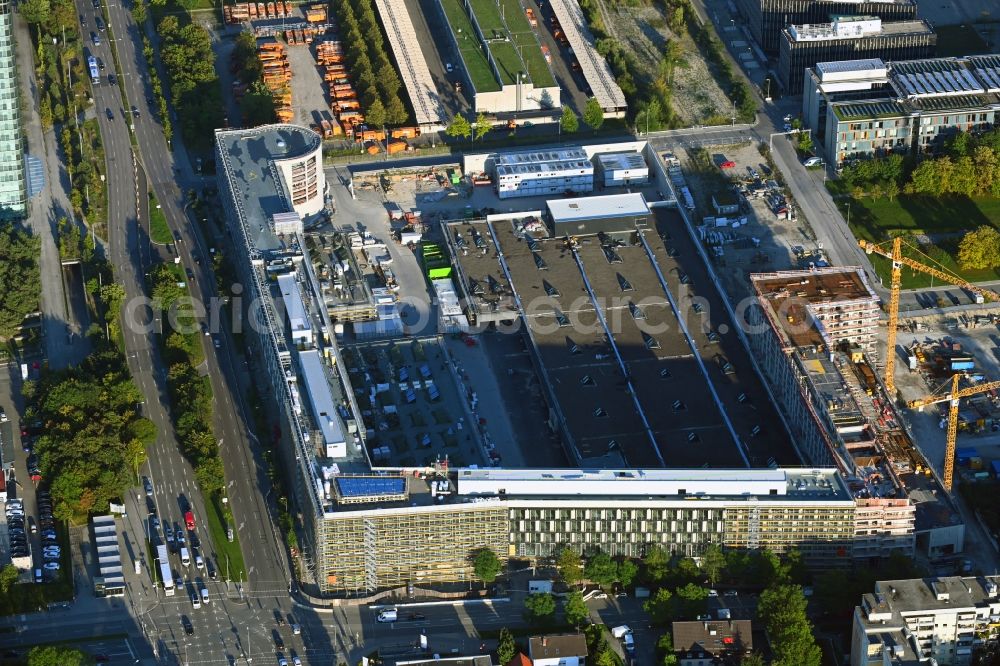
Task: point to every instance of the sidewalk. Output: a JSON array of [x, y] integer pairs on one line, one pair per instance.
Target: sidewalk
[[50, 204]]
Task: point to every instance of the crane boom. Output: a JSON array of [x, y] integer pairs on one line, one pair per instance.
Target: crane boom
[[898, 261], [953, 397]]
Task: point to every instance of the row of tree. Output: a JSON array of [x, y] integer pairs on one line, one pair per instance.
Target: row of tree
[[186, 53], [969, 165], [257, 103], [190, 394], [377, 83], [20, 277]]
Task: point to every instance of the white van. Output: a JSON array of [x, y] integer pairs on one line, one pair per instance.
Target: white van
[[185, 557], [388, 615]]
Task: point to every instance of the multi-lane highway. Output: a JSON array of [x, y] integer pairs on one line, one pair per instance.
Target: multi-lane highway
[[172, 477]]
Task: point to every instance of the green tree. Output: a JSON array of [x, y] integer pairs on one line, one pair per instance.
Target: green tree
[[539, 607], [35, 11], [660, 606], [139, 12], [593, 114], [506, 648], [486, 564], [257, 105], [891, 190], [19, 275], [676, 22], [692, 600], [569, 565], [54, 655], [627, 571], [459, 128], [713, 561], [782, 609], [979, 249], [665, 650], [576, 610], [570, 121], [656, 564], [8, 576], [481, 127], [601, 569]]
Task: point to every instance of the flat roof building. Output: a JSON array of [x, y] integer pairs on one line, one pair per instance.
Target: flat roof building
[[910, 107], [611, 213], [926, 620], [622, 169], [110, 581], [766, 19], [850, 37], [542, 172]]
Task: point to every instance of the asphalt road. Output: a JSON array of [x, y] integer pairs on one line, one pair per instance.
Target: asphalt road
[[131, 253]]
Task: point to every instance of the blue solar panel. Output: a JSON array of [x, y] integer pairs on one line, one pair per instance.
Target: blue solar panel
[[366, 486]]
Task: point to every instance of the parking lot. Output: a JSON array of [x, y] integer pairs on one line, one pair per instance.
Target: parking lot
[[413, 404], [309, 94], [764, 239]]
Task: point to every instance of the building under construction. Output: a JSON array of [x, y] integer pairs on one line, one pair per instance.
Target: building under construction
[[813, 333]]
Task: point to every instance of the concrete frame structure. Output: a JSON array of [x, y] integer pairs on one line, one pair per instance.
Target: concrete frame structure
[[859, 110], [848, 38], [925, 620], [767, 18], [13, 175], [807, 354]]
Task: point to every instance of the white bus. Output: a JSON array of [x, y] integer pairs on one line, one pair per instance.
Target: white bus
[[165, 573]]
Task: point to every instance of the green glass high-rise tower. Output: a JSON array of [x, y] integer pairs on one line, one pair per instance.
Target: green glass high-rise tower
[[13, 185]]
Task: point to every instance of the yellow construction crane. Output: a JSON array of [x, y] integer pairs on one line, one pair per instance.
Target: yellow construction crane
[[898, 261], [953, 399]]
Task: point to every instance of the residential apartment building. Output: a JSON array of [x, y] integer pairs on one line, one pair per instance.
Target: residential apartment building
[[913, 109], [766, 19], [925, 620], [13, 177], [850, 38]]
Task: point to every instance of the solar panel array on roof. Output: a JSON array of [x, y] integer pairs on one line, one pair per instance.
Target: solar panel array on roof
[[934, 77], [370, 486], [987, 68], [869, 109], [841, 66]]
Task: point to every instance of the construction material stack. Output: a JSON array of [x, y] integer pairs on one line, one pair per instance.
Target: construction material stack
[[277, 76], [344, 103]]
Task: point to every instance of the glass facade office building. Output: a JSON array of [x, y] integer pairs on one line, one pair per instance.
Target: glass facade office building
[[13, 186]]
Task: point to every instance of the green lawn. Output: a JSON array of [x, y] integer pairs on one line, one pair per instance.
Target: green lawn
[[159, 231], [470, 48], [881, 219], [504, 54], [230, 557], [958, 40]]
